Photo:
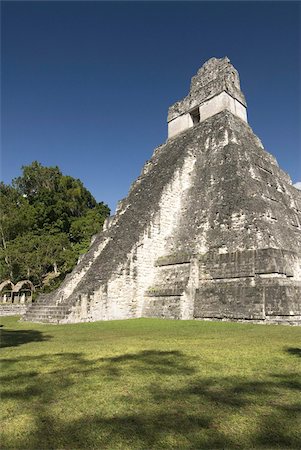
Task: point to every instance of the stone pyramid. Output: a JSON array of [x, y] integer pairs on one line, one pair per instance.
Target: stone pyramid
[[211, 228]]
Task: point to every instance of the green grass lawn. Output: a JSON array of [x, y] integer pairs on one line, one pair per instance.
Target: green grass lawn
[[150, 384]]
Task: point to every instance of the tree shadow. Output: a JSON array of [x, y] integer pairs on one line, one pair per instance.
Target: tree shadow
[[150, 361], [295, 351], [159, 415], [12, 338]]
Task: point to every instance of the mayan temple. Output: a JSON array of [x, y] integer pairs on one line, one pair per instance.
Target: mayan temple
[[211, 229]]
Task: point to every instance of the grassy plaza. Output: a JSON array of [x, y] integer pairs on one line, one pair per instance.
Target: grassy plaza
[[150, 384]]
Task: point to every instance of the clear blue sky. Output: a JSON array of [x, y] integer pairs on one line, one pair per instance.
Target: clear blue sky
[[86, 85]]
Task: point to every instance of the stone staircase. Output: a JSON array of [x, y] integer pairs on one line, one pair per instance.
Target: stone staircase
[[46, 312]]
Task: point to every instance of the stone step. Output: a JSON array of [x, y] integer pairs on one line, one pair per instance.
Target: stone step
[[39, 320], [47, 313], [13, 310], [31, 316], [44, 316], [50, 308], [44, 312]]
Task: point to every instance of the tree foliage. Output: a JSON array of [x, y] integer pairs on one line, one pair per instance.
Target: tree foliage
[[47, 221]]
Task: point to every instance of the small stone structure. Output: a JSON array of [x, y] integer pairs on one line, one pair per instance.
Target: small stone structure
[[211, 229], [15, 299], [213, 89]]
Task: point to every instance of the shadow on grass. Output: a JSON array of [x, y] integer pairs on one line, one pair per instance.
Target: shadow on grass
[[173, 407], [295, 351], [11, 338]]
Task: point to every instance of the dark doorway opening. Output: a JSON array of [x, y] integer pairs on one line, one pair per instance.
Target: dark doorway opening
[[195, 116]]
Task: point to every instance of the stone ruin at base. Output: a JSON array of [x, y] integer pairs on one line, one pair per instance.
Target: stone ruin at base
[[211, 229], [15, 298]]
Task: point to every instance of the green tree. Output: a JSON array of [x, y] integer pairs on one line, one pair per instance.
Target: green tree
[[47, 221], [17, 216]]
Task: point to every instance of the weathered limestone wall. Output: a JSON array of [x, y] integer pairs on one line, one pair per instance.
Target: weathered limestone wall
[[219, 103], [208, 108], [240, 202], [250, 284], [123, 295], [12, 310], [179, 124]]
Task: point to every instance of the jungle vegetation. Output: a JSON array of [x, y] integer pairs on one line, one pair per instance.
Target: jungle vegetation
[[47, 221]]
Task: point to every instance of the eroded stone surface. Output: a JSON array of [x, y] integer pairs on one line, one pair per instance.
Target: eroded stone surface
[[215, 88], [210, 229]]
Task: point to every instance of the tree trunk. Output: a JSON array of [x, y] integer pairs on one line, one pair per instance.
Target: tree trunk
[[6, 257]]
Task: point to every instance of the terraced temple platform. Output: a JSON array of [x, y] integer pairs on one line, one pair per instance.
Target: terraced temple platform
[[210, 229]]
